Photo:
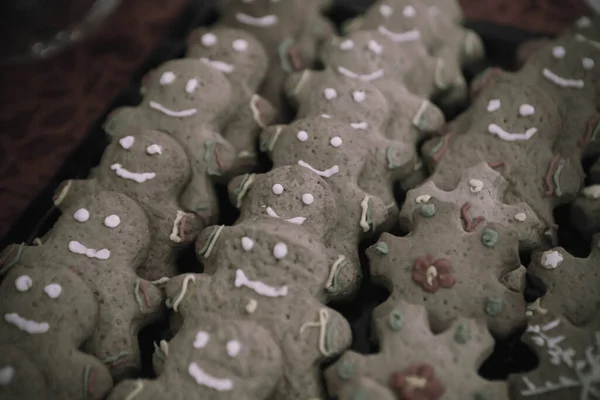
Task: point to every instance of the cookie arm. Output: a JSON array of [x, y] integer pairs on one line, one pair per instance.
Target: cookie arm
[[121, 120], [71, 191]]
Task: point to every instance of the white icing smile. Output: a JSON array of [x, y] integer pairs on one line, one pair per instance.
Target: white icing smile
[[180, 114], [259, 287], [582, 38], [267, 20], [511, 137], [408, 36], [139, 177], [295, 220], [326, 173], [26, 325], [564, 82], [78, 248], [205, 379], [218, 65], [363, 77]]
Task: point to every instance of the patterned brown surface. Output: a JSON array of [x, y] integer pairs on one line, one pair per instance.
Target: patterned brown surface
[[47, 108]]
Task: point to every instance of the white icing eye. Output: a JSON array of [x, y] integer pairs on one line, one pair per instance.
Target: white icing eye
[[233, 348], [526, 110], [336, 141], [191, 86], [247, 243], [302, 136], [559, 52], [359, 96], [587, 63], [374, 47], [307, 199], [409, 12], [82, 215], [154, 149], [493, 105], [277, 188], [330, 93], [201, 340], [280, 250], [347, 45], [240, 45], [112, 221], [23, 283], [167, 78], [53, 290], [126, 142], [385, 10], [583, 22], [209, 39]]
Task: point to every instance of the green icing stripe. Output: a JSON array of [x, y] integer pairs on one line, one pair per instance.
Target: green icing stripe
[[209, 240], [14, 261], [556, 178], [282, 50]]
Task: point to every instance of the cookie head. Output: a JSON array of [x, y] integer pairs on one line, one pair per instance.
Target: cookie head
[[186, 89], [233, 52], [398, 22], [151, 159]]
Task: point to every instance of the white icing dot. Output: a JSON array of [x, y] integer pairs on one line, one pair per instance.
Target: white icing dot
[[336, 141], [277, 188], [280, 250], [409, 12], [520, 217], [209, 39], [475, 185], [526, 110], [201, 339], [81, 215], [558, 52], [587, 63], [325, 115], [493, 105], [583, 22], [53, 290], [154, 149], [6, 375], [330, 93], [167, 78], [359, 96], [240, 45], [375, 47], [23, 283], [424, 198], [385, 10], [233, 348], [191, 86], [112, 221], [307, 199], [347, 45], [302, 136], [126, 142], [247, 243]]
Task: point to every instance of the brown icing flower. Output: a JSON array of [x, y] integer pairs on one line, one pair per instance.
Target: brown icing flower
[[417, 382], [432, 274]]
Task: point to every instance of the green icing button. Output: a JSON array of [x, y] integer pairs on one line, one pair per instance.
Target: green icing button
[[345, 370], [482, 395], [462, 334], [396, 320], [428, 210], [489, 237], [382, 247], [494, 306]]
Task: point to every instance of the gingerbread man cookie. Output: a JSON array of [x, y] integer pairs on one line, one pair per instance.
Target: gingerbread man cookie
[[47, 315], [585, 211], [451, 271], [571, 282], [416, 363], [103, 238], [569, 361]]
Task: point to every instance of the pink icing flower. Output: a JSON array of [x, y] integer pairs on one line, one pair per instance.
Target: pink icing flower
[[432, 274], [417, 382]]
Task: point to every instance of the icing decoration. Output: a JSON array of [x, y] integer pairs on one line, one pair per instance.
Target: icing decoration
[[209, 39], [251, 306], [359, 125], [390, 158], [324, 332], [432, 274], [161, 281], [494, 306], [440, 149], [171, 113], [177, 234], [280, 251], [382, 247], [326, 173], [551, 259], [273, 140], [347, 45], [483, 394], [536, 307], [295, 220], [409, 11], [87, 380], [289, 59], [255, 106], [13, 262], [139, 291], [493, 105], [385, 10], [396, 320], [375, 47], [424, 198], [336, 141], [277, 188], [521, 217], [139, 177], [308, 199], [211, 149], [364, 219], [560, 81], [258, 286], [552, 177], [112, 221], [330, 93], [6, 375], [204, 379], [462, 334], [26, 325], [559, 52], [23, 283], [511, 137], [470, 223], [191, 86], [58, 198], [476, 185], [126, 142], [591, 192], [363, 77], [78, 248], [212, 239], [489, 237], [154, 149], [233, 348], [241, 190], [247, 243], [201, 340], [326, 116], [180, 296], [267, 20], [218, 65], [417, 382], [359, 96], [116, 359], [587, 63], [167, 78], [53, 290], [591, 42], [345, 371], [240, 45], [82, 215], [139, 386], [331, 283], [408, 36], [526, 110], [438, 74], [583, 22], [302, 136], [428, 210]]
